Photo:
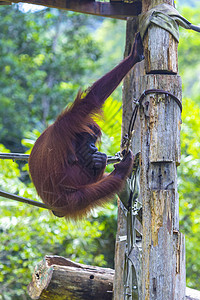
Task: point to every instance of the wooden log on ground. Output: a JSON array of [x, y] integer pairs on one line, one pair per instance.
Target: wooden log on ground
[[59, 278], [56, 277]]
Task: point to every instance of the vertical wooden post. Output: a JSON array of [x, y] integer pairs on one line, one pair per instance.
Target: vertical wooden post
[[163, 263], [157, 135], [131, 90]]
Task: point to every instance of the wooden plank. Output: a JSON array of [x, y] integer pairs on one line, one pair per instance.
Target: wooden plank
[[118, 10]]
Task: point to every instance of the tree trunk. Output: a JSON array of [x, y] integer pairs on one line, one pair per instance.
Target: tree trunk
[[160, 266], [163, 245], [131, 90]]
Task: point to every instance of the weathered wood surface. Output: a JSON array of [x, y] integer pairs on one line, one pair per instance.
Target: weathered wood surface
[[148, 4], [164, 117], [163, 270], [160, 55], [118, 10], [131, 90], [59, 278], [160, 47], [157, 136], [120, 247]]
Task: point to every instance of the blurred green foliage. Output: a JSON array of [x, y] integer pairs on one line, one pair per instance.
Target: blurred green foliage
[[29, 233], [189, 189], [44, 58], [189, 170], [189, 63]]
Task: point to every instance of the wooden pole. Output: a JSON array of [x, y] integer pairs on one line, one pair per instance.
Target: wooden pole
[[131, 90], [163, 263], [160, 266]]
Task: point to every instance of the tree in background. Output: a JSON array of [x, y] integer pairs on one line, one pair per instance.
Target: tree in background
[[28, 58], [188, 172], [45, 57], [189, 189]]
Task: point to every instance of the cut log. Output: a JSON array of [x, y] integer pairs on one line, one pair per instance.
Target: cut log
[[56, 277], [59, 278]]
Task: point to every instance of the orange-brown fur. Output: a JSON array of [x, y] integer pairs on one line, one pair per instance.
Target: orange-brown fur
[[66, 186]]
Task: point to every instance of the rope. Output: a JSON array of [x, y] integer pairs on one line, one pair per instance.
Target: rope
[[24, 200], [111, 159], [14, 156], [20, 156]]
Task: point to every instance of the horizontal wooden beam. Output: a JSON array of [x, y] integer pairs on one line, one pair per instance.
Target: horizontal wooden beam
[[5, 3], [118, 10]]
